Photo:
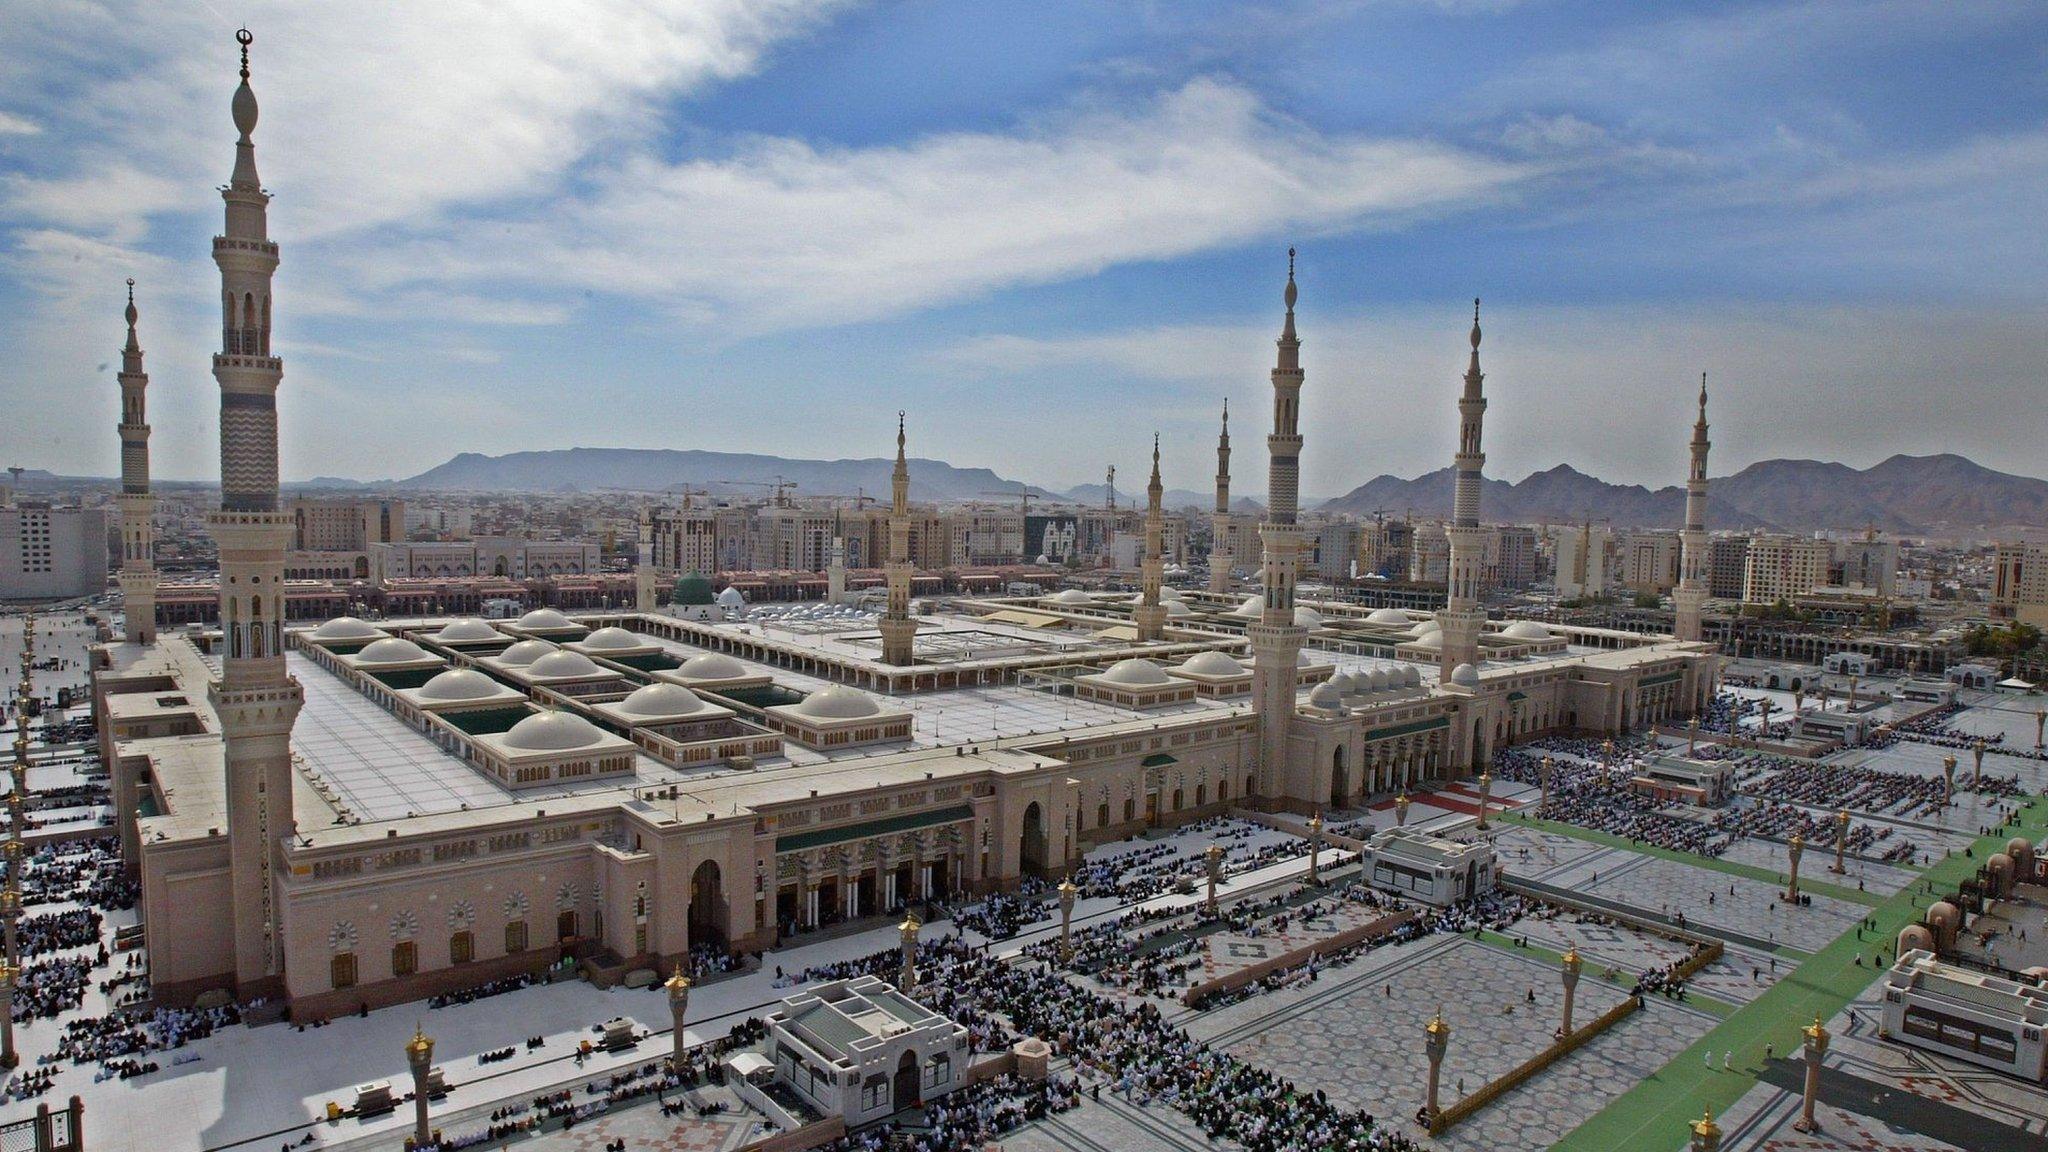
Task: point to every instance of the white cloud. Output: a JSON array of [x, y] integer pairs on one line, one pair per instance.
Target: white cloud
[[785, 234], [12, 125]]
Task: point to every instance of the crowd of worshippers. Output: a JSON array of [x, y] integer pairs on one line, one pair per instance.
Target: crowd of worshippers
[[1835, 786], [1004, 914], [1136, 1053], [83, 871], [1588, 791], [568, 1107], [484, 991], [104, 1039], [1932, 728], [709, 959], [972, 1117], [56, 931]]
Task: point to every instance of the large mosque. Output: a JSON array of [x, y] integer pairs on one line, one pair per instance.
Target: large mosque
[[368, 813]]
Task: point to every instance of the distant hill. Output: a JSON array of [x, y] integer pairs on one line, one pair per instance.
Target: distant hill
[[724, 473], [1921, 495], [1173, 499]]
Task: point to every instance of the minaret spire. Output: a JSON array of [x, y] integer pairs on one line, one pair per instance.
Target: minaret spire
[[897, 627], [1690, 597], [1276, 639], [137, 505], [256, 699], [1220, 559], [1462, 616], [1150, 615]]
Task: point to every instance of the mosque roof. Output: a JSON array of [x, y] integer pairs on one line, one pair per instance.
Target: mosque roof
[[552, 732]]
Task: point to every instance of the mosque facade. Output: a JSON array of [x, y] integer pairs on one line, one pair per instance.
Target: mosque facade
[[475, 799]]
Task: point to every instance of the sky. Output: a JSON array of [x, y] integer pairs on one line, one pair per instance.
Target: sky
[[1044, 229]]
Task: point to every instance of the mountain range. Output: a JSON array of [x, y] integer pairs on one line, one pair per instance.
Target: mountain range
[[1917, 495], [722, 473]]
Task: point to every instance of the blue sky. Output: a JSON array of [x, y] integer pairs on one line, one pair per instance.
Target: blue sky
[[1045, 229]]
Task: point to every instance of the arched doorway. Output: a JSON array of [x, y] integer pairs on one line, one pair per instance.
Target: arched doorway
[[707, 906], [1031, 848], [1340, 782], [905, 1094]]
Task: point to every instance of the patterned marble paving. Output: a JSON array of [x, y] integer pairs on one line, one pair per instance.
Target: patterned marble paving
[[1750, 907]]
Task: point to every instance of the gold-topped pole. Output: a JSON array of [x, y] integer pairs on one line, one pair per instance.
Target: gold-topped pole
[[1436, 1041], [1570, 969], [906, 975], [1315, 848], [678, 986], [1706, 1135], [1067, 894], [1816, 1037]]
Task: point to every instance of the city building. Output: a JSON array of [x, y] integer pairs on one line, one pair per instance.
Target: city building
[[345, 525], [1648, 562], [52, 553], [1516, 563], [1727, 563], [2019, 589], [1870, 564], [1780, 568], [1579, 558]]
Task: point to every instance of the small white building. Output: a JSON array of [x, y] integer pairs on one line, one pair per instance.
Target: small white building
[[1972, 676], [1680, 780], [862, 1050], [1435, 870], [1848, 664], [1968, 1015]]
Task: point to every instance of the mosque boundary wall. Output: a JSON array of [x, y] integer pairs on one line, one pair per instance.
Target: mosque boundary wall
[[1268, 820], [1446, 1118], [1198, 993], [798, 1139]]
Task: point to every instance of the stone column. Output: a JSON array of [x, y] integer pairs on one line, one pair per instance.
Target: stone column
[[1977, 781], [419, 1054], [1067, 894], [1401, 810], [1485, 793], [906, 974], [678, 987], [1852, 691], [1570, 968], [1692, 737], [1793, 849], [2040, 727], [1213, 858], [1543, 770], [1763, 728], [1315, 848], [1437, 1040], [1706, 1135], [1948, 780], [1816, 1047], [1798, 702], [9, 1058], [1841, 841]]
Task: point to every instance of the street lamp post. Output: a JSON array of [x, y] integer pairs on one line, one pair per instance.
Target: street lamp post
[[1067, 894], [1841, 841], [1315, 846], [1213, 858]]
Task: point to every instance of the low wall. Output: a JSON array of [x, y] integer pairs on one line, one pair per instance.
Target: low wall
[[1268, 820], [1669, 932], [998, 1064], [809, 1136], [1372, 930], [1445, 1119]]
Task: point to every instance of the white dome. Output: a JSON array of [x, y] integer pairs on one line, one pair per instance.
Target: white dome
[[1178, 608], [346, 628], [1431, 642], [1387, 616], [1254, 606], [1302, 659], [525, 652], [1169, 592], [663, 700], [1427, 626], [1381, 680], [1307, 617], [1526, 630], [1136, 674], [838, 703], [1072, 596], [563, 664], [1466, 675], [731, 598], [460, 684], [1342, 683], [392, 650], [1212, 664], [1411, 676], [552, 732], [613, 638], [469, 628], [1327, 697], [545, 619], [712, 666]]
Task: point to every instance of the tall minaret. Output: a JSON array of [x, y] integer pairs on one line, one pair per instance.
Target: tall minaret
[[643, 566], [1462, 617], [255, 698], [1691, 593], [897, 626], [1276, 639], [1150, 614], [138, 534], [1220, 559]]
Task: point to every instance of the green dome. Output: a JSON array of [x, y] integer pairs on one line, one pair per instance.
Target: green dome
[[692, 590]]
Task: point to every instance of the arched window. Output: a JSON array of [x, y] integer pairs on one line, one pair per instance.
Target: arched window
[[515, 936], [461, 947], [1102, 815], [1223, 790], [405, 958], [341, 971], [1130, 810], [565, 925]]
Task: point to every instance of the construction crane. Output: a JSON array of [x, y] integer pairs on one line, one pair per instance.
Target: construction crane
[[782, 488], [1027, 495], [685, 491], [1110, 482]]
